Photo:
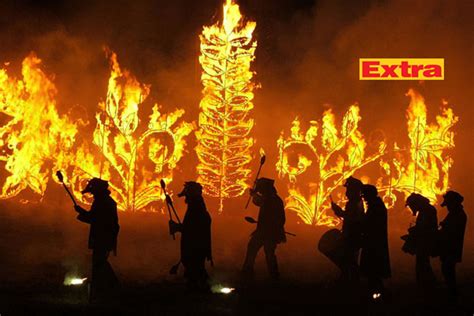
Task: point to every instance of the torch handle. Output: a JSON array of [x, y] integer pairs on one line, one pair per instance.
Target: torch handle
[[70, 195], [169, 213], [254, 184]]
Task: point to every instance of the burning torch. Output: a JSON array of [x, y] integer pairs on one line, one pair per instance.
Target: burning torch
[[61, 179], [262, 161], [169, 204]]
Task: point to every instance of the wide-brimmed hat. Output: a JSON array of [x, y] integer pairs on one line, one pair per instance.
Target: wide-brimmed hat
[[452, 196], [416, 198], [264, 184], [191, 188], [95, 185], [353, 183]]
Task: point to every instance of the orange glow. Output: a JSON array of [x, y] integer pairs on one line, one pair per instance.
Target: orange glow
[[35, 140], [334, 157], [224, 141], [426, 170], [133, 162]]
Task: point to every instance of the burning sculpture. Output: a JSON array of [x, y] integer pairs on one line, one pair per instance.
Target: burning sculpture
[[35, 140], [224, 141], [35, 137], [133, 162], [423, 167], [426, 169], [337, 155]]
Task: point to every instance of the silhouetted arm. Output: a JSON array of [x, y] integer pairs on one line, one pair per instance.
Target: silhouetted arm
[[257, 199], [83, 216], [337, 210]]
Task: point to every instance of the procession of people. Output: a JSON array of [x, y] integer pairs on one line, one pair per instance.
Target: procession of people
[[360, 248]]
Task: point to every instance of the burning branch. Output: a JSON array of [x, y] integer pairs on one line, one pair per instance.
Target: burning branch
[[224, 144], [427, 169], [126, 154], [35, 135], [339, 157]]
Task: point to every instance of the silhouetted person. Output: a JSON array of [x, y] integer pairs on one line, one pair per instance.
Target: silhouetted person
[[104, 229], [352, 217], [195, 236], [270, 227], [424, 238], [374, 259], [451, 237]]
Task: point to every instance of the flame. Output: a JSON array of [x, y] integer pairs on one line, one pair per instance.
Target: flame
[[224, 145], [133, 162], [335, 157], [35, 139], [427, 169]]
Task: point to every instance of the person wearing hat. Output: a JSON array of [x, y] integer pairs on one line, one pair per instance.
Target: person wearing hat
[[103, 220], [424, 237], [270, 229], [451, 238], [374, 257], [195, 237], [352, 217]]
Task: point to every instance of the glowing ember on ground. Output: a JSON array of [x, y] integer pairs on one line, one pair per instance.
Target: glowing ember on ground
[[74, 281], [219, 289]]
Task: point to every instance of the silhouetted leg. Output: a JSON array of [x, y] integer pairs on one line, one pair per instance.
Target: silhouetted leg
[[104, 279], [195, 272], [272, 263], [424, 273], [254, 245], [448, 268], [375, 285]]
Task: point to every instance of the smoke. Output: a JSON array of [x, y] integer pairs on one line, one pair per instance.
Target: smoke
[[307, 61]]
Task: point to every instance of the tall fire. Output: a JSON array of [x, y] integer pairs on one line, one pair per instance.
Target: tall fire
[[224, 141], [134, 157], [337, 156], [134, 161], [35, 139], [423, 167]]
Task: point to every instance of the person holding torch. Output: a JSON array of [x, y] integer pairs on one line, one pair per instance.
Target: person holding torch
[[103, 220]]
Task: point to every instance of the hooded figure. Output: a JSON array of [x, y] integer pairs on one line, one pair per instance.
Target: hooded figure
[[374, 259], [352, 217], [451, 238], [195, 236], [103, 233], [423, 236], [270, 227]]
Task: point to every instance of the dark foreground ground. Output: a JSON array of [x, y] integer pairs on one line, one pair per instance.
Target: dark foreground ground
[[40, 246], [259, 299]]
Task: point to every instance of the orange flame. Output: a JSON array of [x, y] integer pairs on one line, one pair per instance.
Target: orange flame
[[35, 137], [427, 170], [224, 144], [336, 157], [134, 163]]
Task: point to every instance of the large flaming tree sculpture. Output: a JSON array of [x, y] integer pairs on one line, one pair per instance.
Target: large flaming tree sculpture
[[336, 154], [126, 153], [224, 144]]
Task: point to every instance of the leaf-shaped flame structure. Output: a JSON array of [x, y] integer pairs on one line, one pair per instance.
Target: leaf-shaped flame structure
[[35, 137], [335, 157], [427, 169], [133, 163], [224, 144]]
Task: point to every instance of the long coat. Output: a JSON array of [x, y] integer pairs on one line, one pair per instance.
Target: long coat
[[103, 221], [271, 218], [425, 231], [375, 259], [451, 235], [352, 216], [196, 232]]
